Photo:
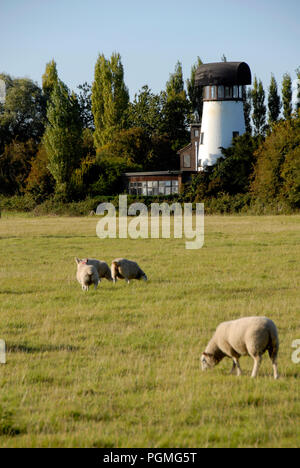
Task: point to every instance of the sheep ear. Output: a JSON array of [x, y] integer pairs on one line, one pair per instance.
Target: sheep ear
[[206, 354], [77, 260]]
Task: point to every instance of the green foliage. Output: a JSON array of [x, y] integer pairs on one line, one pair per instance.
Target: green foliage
[[49, 79], [85, 103], [195, 93], [24, 112], [287, 96], [247, 110], [15, 166], [232, 172], [176, 110], [274, 104], [277, 171], [18, 203], [110, 98], [146, 111], [258, 106], [63, 137], [40, 182]]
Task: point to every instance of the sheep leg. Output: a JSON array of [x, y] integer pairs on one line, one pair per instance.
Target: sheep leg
[[275, 369], [257, 362], [127, 280], [237, 364], [233, 368]]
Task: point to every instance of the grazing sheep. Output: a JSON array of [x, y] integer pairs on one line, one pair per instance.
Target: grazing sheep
[[102, 267], [86, 275], [126, 269], [250, 336]]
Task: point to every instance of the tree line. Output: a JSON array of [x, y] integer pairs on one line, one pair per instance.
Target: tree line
[[58, 143]]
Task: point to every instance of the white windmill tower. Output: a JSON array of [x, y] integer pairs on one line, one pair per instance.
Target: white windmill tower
[[224, 90]]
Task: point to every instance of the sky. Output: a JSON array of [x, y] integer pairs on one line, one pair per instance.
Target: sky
[[151, 36]]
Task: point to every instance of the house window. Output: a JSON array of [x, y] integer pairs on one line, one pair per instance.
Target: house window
[[154, 187], [201, 138], [235, 92], [196, 133], [186, 160]]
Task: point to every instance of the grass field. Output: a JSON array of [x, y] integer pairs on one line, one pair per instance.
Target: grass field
[[120, 367]]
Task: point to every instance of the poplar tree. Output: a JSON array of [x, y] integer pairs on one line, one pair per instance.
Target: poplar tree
[[195, 93], [176, 109], [247, 111], [287, 96], [258, 106], [63, 137], [274, 103], [49, 78], [110, 98]]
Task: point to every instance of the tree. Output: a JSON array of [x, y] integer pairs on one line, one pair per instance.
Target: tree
[[195, 93], [24, 113], [287, 96], [85, 104], [49, 78], [40, 182], [277, 170], [15, 166], [110, 98], [274, 104], [232, 172], [63, 137], [258, 106], [176, 109], [247, 111], [146, 111]]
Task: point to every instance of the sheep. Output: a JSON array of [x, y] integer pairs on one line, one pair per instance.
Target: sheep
[[86, 275], [102, 267], [126, 269], [250, 336]]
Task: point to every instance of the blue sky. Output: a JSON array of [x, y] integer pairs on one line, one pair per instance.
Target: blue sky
[[150, 36]]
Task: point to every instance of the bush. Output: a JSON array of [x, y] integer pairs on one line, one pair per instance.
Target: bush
[[24, 203]]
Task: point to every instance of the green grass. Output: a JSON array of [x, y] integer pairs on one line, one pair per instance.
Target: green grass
[[119, 367]]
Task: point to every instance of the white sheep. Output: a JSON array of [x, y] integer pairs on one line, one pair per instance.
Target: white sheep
[[101, 266], [248, 336], [126, 269], [86, 275]]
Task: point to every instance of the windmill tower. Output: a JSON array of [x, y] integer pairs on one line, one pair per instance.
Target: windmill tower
[[224, 90]]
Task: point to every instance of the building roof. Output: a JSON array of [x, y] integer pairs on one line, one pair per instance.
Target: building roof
[[153, 173], [223, 73], [184, 148]]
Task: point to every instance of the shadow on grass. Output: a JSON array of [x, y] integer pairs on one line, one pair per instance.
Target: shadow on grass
[[42, 348], [18, 293]]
